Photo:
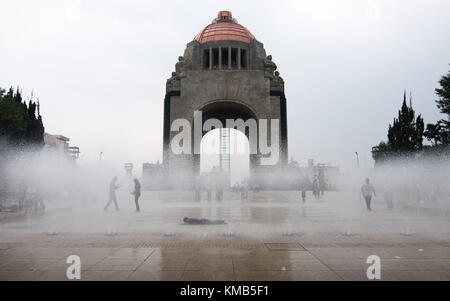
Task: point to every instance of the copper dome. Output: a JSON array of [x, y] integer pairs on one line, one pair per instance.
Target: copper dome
[[224, 27]]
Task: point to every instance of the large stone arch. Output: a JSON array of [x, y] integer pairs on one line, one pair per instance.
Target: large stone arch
[[251, 87], [222, 110]]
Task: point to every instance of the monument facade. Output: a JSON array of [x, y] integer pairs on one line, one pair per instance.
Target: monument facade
[[224, 74]]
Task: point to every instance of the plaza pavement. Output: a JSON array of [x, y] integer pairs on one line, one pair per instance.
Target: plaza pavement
[[272, 236]]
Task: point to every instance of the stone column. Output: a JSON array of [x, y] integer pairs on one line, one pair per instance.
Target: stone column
[[247, 60], [239, 58], [210, 58], [220, 57], [229, 57]]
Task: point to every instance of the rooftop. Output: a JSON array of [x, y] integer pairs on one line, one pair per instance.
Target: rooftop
[[224, 28]]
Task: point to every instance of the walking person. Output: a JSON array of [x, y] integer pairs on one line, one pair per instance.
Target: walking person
[[305, 184], [316, 190], [112, 193], [367, 190], [244, 190], [137, 194]]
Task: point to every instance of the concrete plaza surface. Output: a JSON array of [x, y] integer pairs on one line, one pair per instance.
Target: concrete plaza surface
[[272, 236]]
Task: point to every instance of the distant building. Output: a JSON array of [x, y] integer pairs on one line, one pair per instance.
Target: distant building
[[56, 142], [325, 171], [60, 143], [151, 169]]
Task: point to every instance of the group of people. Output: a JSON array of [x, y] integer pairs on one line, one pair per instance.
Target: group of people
[[30, 199], [241, 188], [367, 191], [113, 186], [317, 186], [213, 181]]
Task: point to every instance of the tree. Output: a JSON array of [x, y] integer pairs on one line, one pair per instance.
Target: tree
[[439, 133], [381, 152], [406, 132], [20, 123], [21, 129], [405, 135]]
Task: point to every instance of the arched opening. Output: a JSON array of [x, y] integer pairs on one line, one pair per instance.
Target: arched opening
[[227, 149], [222, 111]]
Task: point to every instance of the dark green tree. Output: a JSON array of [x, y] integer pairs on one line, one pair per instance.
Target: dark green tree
[[381, 153], [20, 123], [21, 129], [439, 133], [405, 135]]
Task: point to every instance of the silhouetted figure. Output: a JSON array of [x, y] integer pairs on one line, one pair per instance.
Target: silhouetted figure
[[112, 193], [316, 191], [367, 190], [137, 193], [303, 189], [202, 221], [244, 190]]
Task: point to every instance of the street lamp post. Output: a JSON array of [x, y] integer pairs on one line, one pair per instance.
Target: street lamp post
[[357, 160], [100, 159], [357, 165]]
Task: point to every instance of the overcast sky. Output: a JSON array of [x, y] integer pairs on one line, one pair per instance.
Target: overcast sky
[[99, 67]]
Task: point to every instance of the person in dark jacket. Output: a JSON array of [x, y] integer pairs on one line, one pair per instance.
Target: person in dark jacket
[[137, 193]]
